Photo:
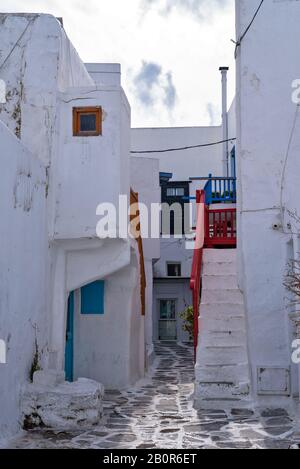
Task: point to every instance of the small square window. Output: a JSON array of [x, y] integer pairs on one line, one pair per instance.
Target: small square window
[[87, 121], [173, 269], [175, 192]]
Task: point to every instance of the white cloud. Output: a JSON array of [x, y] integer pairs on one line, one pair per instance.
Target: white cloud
[[200, 8], [188, 48]]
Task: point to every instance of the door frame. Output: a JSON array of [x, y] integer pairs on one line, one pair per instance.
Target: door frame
[[163, 298]]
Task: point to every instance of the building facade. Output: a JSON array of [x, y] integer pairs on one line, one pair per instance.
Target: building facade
[[71, 300], [268, 169], [171, 293]]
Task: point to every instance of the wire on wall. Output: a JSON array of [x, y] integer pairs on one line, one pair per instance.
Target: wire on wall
[[17, 43], [184, 148], [241, 38]]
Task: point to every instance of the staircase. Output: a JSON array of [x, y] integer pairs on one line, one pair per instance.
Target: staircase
[[222, 373]]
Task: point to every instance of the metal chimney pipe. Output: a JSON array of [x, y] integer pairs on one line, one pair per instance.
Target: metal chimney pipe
[[225, 162]]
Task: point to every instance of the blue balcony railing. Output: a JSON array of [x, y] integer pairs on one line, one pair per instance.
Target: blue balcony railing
[[218, 189]]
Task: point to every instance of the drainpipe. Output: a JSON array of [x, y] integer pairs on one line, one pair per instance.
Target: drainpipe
[[224, 71]]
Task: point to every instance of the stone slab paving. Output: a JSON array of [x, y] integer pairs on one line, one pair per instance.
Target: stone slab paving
[[158, 414]]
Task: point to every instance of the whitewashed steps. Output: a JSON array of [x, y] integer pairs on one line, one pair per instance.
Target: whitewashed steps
[[222, 372]]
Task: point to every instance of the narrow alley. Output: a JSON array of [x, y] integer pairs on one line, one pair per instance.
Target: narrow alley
[[158, 413]]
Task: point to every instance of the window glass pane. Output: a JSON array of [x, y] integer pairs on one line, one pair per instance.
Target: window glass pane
[[88, 123], [171, 192], [174, 270], [180, 192], [175, 192], [167, 309]]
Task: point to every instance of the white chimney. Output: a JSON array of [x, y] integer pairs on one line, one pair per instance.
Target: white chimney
[[225, 162]]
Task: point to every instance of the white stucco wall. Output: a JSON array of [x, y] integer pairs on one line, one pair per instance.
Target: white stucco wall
[[25, 271], [107, 348], [183, 164], [144, 174], [90, 170], [232, 124], [34, 72], [174, 250], [50, 246], [105, 74], [268, 170]]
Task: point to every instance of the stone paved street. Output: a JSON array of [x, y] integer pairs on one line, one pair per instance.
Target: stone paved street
[[158, 413]]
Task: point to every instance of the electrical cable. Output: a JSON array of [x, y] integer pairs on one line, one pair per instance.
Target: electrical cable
[[286, 159], [239, 42], [184, 148], [12, 50]]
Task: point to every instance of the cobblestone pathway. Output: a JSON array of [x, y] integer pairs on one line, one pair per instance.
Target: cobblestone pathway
[[159, 413]]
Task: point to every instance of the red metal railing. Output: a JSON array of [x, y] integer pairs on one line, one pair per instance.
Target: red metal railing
[[215, 228], [220, 228]]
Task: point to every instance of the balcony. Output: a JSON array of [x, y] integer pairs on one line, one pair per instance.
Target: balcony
[[218, 190]]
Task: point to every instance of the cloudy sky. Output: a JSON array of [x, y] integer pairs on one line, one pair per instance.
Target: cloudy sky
[[170, 51]]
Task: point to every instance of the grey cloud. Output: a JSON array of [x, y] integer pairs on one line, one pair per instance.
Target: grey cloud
[[153, 86], [194, 7], [170, 91]]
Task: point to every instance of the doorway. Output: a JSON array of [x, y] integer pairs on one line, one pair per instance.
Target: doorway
[[167, 320], [69, 352]]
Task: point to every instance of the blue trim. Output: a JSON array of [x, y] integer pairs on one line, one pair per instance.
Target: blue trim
[[233, 163], [92, 298], [69, 352], [219, 190], [165, 177]]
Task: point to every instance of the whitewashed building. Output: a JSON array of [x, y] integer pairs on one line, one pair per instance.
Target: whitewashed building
[[69, 300], [172, 272], [268, 171], [247, 323]]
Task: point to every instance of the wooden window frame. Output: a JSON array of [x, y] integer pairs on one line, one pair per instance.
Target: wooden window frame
[[79, 111]]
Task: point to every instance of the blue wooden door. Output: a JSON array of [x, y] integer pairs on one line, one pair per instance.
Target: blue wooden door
[[69, 354]]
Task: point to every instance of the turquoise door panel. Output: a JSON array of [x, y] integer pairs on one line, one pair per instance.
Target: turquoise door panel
[[92, 298], [69, 353]]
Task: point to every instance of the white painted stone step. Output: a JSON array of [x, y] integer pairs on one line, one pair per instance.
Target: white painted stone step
[[222, 338], [222, 310], [219, 268], [219, 255], [219, 404], [219, 282], [235, 373], [222, 371], [223, 390], [233, 296], [209, 356], [218, 390], [207, 323]]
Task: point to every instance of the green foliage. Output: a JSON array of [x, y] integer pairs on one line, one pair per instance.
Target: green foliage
[[188, 317], [35, 362]]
